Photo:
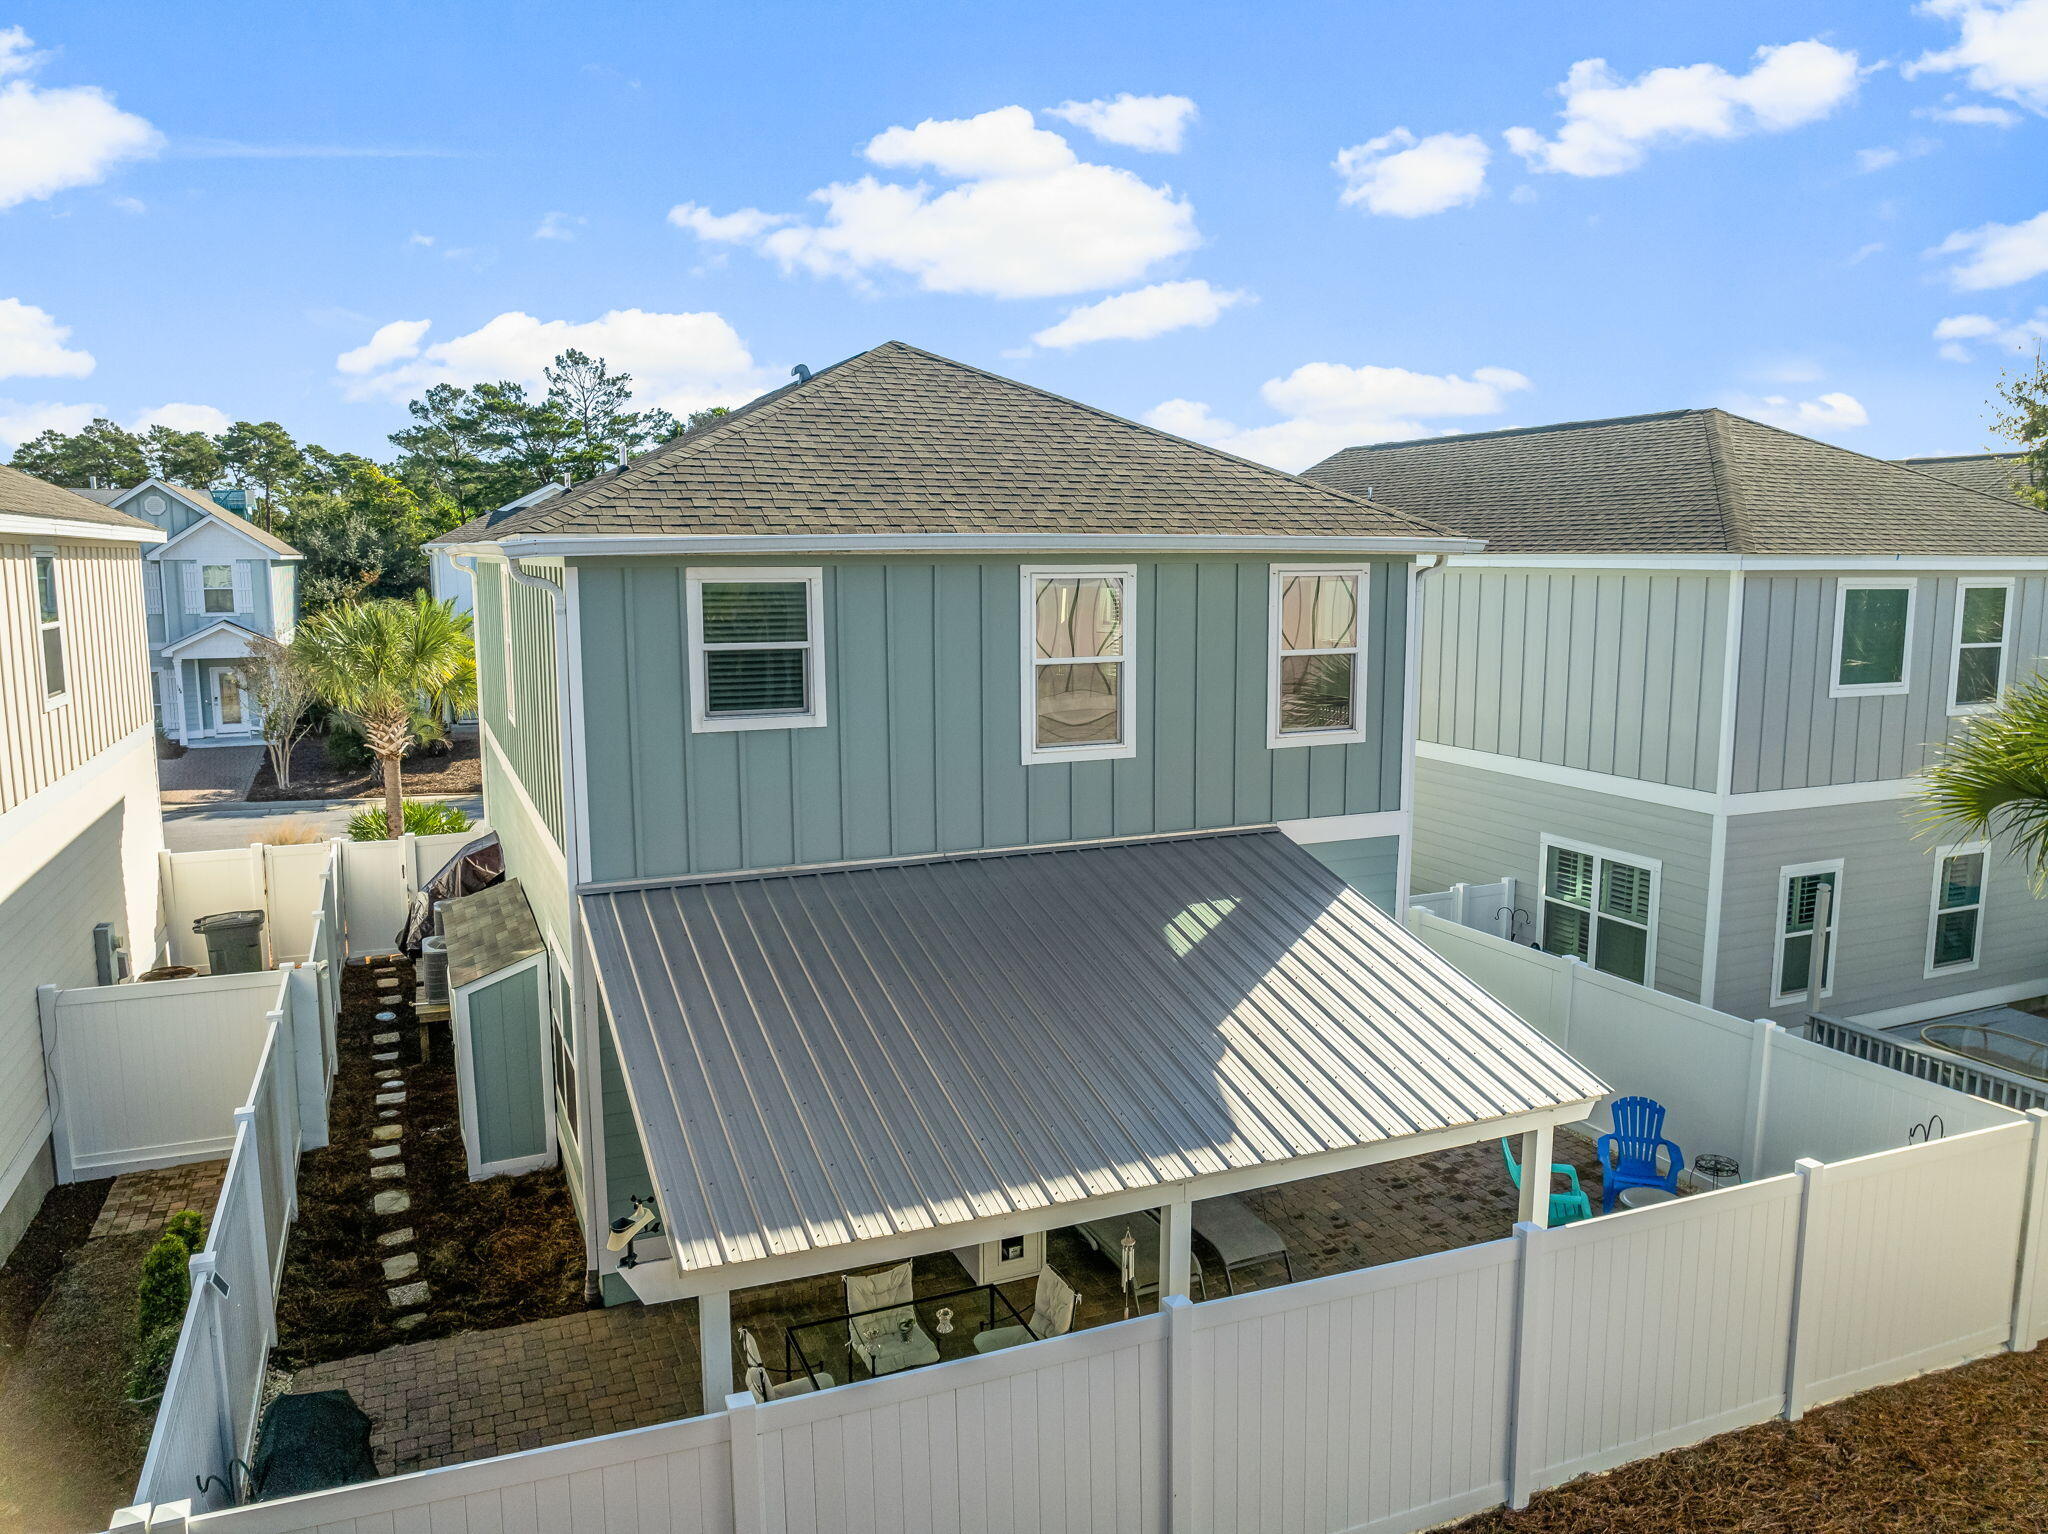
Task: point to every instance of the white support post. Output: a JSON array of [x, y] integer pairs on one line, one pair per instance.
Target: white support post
[[749, 1504], [1762, 1040], [259, 887], [202, 1266], [308, 1038], [1176, 1248], [409, 866], [714, 1345], [1805, 1290], [1180, 1413], [259, 1226], [1504, 918], [1461, 903], [2027, 1281], [1535, 1156], [1532, 1298], [55, 1067]]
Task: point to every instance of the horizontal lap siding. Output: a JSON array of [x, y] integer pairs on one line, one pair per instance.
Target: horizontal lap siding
[[1789, 733], [1617, 673], [923, 752], [1475, 826], [106, 658]]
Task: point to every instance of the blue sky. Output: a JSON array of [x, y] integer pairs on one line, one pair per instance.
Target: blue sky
[[1315, 223]]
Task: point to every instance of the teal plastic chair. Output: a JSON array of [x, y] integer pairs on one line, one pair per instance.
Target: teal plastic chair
[[1564, 1207]]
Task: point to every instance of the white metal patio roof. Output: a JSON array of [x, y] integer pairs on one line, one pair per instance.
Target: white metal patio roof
[[824, 1058]]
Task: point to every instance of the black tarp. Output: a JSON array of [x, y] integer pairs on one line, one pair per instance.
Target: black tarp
[[478, 866], [310, 1443]]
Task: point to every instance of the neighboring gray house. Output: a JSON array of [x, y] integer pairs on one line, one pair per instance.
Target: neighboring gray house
[[1690, 680], [215, 582]]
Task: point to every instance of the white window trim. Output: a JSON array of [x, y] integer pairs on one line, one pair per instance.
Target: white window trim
[[1935, 908], [1036, 755], [1786, 875], [234, 606], [558, 982], [1359, 651], [1955, 649], [1836, 688], [505, 585], [813, 577], [51, 700], [1655, 867]]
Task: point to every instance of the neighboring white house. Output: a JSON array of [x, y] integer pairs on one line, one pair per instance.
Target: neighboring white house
[[80, 829], [451, 582], [214, 583]]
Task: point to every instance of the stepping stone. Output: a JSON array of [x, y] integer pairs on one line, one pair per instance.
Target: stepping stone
[[386, 1132], [406, 1323], [396, 1237], [405, 1296], [404, 1265], [391, 1201], [385, 1058], [388, 1113], [383, 1038], [389, 1073], [383, 1152], [390, 1169], [386, 1017], [390, 1099]]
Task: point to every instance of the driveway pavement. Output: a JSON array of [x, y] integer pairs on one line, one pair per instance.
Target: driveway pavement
[[208, 775], [204, 827]]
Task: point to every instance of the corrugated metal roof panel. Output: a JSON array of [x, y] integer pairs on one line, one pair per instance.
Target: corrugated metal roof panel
[[826, 1057]]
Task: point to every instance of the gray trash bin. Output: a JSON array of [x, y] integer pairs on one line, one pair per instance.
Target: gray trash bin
[[234, 941]]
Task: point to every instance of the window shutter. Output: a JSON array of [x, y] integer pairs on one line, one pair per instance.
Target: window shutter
[[152, 587], [245, 600], [195, 600]]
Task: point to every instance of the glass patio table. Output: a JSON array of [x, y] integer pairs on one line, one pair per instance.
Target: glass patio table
[[949, 1322]]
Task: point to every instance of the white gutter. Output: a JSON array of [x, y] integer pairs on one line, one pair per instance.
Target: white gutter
[[711, 544], [62, 527], [1761, 563], [1411, 722]]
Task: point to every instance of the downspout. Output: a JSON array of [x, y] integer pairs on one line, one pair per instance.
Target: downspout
[[582, 1023], [1411, 716]]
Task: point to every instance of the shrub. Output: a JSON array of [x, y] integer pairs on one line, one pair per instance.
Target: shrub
[[152, 1366], [423, 817], [346, 749], [165, 1287], [290, 834], [189, 1227]]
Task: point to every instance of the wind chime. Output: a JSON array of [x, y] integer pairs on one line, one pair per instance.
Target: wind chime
[[1127, 1269]]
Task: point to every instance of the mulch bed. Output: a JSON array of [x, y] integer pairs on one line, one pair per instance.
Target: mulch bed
[[461, 771], [494, 1253], [1965, 1450], [60, 1227]]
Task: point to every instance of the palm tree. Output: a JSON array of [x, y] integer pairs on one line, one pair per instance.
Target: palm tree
[[1991, 779], [381, 664]]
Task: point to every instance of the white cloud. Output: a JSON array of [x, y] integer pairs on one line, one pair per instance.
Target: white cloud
[[1831, 412], [58, 137], [1959, 334], [32, 342], [559, 226], [1407, 177], [1610, 123], [2001, 48], [1876, 159], [1997, 255], [682, 362], [183, 417], [1971, 114], [1028, 219], [391, 343], [1155, 123], [1329, 405], [1141, 314], [20, 421]]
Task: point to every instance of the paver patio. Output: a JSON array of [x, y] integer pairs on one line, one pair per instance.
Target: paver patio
[[140, 1202]]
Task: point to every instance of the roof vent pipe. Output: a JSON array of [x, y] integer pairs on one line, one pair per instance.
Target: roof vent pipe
[[800, 373]]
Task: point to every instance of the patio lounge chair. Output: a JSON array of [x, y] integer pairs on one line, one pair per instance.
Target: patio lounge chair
[[1628, 1155], [757, 1374], [1107, 1237], [1564, 1207], [1052, 1312], [1241, 1238], [887, 1338]]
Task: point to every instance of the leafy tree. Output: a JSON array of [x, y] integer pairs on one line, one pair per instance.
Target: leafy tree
[[379, 664], [2022, 403], [260, 456], [1991, 779], [101, 451], [361, 531], [187, 458], [284, 696]]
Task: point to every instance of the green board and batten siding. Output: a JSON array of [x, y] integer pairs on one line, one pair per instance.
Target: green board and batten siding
[[530, 733], [922, 753], [506, 1067]]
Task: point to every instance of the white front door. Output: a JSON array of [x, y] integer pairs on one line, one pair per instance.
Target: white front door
[[231, 711]]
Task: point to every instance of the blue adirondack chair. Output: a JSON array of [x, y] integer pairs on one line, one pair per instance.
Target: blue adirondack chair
[[1564, 1207], [1628, 1156]]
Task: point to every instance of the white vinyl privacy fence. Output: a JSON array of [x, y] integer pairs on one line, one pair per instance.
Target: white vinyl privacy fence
[[1385, 1400]]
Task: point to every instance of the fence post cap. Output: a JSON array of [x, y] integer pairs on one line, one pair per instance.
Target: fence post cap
[[135, 1516], [1529, 1230], [1807, 1166], [741, 1400], [171, 1517], [1177, 1302]]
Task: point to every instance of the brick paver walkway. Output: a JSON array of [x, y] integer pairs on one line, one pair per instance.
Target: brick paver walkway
[[520, 1387], [140, 1202]]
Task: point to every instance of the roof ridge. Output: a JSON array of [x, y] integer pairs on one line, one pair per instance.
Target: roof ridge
[[1728, 501], [1886, 463], [1520, 431], [1200, 447], [1957, 457]]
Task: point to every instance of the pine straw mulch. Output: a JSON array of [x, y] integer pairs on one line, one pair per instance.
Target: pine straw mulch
[[493, 1253], [1964, 1450], [459, 771]]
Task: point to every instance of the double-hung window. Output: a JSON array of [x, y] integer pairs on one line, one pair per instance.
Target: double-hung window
[[1079, 672], [1977, 670], [757, 649], [50, 627], [1873, 638], [1318, 629], [1601, 907], [217, 588], [1955, 926], [1799, 888]]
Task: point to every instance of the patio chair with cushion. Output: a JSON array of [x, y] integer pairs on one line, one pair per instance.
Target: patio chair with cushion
[[758, 1378], [881, 1324], [1241, 1238], [1052, 1312], [1564, 1207], [1629, 1154]]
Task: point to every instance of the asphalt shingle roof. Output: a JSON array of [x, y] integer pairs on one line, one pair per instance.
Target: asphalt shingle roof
[[1683, 482], [23, 495], [897, 440], [1992, 473]]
